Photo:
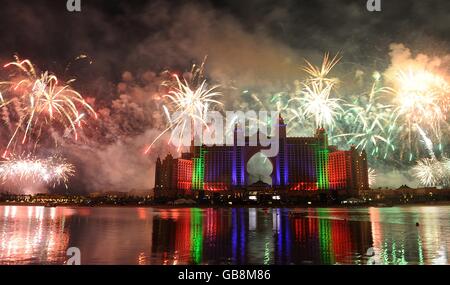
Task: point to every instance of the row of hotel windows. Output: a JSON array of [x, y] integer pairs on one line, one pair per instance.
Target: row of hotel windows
[[299, 169]]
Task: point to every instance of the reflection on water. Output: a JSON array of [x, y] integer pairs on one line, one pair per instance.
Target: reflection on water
[[39, 235]]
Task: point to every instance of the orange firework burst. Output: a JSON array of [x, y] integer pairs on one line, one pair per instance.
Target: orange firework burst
[[420, 100]]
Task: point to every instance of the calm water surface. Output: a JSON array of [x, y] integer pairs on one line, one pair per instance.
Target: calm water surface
[[39, 235]]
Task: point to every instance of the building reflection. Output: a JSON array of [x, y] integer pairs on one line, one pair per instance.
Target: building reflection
[[327, 237], [258, 236], [197, 235], [42, 235], [38, 235], [434, 247], [171, 237], [217, 236], [407, 236]]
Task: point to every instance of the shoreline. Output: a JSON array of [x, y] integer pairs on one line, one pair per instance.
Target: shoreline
[[378, 205]]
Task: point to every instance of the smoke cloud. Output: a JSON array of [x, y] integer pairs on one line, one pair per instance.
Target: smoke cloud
[[402, 58], [392, 178], [256, 45]]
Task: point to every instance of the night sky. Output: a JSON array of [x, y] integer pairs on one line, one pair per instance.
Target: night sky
[[133, 35], [251, 45]]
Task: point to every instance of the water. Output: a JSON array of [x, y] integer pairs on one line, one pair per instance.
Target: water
[[39, 235]]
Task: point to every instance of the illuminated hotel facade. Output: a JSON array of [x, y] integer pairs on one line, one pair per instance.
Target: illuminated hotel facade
[[303, 165]]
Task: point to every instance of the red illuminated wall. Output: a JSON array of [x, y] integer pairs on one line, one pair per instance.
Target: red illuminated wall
[[340, 234], [338, 170], [183, 177], [215, 186], [308, 186], [183, 236]]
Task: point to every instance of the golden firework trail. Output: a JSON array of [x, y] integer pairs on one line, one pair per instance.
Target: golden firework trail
[[319, 74]]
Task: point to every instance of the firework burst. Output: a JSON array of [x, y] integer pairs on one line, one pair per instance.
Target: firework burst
[[315, 99], [25, 171], [419, 99], [190, 108], [427, 142], [368, 121], [319, 105], [319, 74], [431, 172], [43, 103]]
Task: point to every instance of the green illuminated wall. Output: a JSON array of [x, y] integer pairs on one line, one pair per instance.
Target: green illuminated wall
[[322, 167], [196, 235], [325, 238], [198, 173]]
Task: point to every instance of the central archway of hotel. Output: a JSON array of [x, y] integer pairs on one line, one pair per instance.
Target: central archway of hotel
[[259, 167]]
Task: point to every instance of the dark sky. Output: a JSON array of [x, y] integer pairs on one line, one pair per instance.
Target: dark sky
[[131, 35], [255, 45]]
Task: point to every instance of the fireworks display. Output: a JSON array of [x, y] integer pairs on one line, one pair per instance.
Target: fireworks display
[[41, 102], [401, 119], [398, 120], [35, 103], [420, 98], [427, 171], [368, 122], [433, 172], [315, 100], [320, 75], [28, 171], [190, 103], [318, 104]]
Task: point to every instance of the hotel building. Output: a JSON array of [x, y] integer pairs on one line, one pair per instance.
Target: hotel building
[[303, 165]]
